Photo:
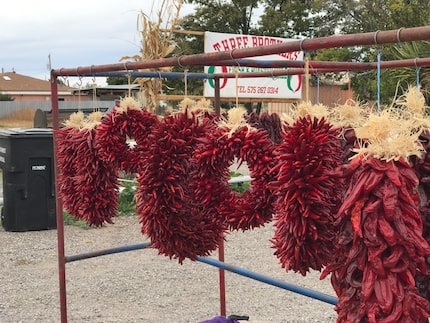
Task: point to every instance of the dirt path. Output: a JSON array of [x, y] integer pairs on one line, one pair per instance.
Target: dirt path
[[142, 286]]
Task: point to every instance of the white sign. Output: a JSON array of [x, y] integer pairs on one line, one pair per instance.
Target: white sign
[[282, 87]]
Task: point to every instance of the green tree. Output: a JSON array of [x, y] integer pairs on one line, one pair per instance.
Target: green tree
[[287, 19], [404, 77], [329, 17], [309, 19], [235, 16], [117, 80]]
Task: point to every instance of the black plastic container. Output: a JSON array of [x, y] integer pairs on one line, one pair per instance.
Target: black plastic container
[[27, 162]]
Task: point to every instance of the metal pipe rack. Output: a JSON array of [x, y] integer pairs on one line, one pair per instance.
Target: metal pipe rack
[[236, 57]]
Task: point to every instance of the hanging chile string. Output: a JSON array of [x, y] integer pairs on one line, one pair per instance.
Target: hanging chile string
[[186, 82], [307, 77], [417, 72], [236, 72], [318, 89], [378, 83], [129, 84]]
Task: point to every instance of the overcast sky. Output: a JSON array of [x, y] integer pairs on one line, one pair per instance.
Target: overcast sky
[[74, 33]]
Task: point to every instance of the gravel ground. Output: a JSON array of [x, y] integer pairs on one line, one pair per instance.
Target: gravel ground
[[142, 286]]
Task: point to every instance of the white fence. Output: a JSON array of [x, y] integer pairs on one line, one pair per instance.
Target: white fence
[[9, 107]]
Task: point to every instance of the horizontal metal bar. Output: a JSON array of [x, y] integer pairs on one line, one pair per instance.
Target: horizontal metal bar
[[347, 40], [290, 68], [105, 252], [271, 281], [240, 179], [213, 262], [233, 180]]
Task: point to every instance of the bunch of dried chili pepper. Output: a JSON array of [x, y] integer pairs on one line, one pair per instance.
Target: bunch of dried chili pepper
[[68, 138], [306, 194], [381, 247], [271, 122], [88, 185], [214, 156], [422, 170], [170, 214], [126, 121]]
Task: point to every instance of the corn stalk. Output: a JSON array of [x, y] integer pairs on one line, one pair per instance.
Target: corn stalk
[[156, 42]]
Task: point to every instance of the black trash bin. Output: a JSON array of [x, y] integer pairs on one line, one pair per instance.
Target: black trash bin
[[27, 162]]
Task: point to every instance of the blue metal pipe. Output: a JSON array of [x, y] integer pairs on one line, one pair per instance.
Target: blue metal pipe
[[274, 282], [153, 75], [105, 252], [213, 262]]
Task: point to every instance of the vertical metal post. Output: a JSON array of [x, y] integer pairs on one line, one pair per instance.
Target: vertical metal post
[[59, 206], [378, 84], [217, 90], [318, 89], [307, 77], [223, 310], [223, 307]]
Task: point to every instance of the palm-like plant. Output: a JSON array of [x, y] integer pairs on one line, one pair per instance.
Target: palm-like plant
[[409, 75]]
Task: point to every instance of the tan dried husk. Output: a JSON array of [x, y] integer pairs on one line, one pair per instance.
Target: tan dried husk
[[156, 43], [412, 101], [235, 120], [204, 105], [128, 103], [197, 108], [349, 115], [412, 105], [76, 120], [93, 119], [389, 136], [186, 104], [306, 108], [287, 118]]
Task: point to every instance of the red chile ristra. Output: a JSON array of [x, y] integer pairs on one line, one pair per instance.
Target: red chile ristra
[[380, 245], [422, 169], [270, 122], [88, 185], [307, 195], [215, 154], [114, 131], [170, 214]]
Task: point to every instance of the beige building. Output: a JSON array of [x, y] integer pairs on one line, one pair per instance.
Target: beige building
[[26, 88]]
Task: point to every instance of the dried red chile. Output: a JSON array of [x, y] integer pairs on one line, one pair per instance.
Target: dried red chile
[[87, 185], [271, 122], [380, 244], [215, 154], [307, 195], [171, 216], [422, 170], [114, 131]]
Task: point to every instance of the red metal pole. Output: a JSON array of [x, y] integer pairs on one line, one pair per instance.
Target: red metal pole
[[59, 206], [222, 298], [217, 94], [361, 39]]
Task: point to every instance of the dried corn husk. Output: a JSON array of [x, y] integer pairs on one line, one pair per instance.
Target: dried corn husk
[[235, 120], [156, 43], [350, 114], [390, 136], [305, 108], [76, 120]]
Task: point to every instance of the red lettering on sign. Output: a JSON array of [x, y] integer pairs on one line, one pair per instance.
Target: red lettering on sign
[[225, 44], [217, 47], [241, 41]]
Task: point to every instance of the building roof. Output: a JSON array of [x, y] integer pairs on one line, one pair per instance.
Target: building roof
[[14, 82]]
